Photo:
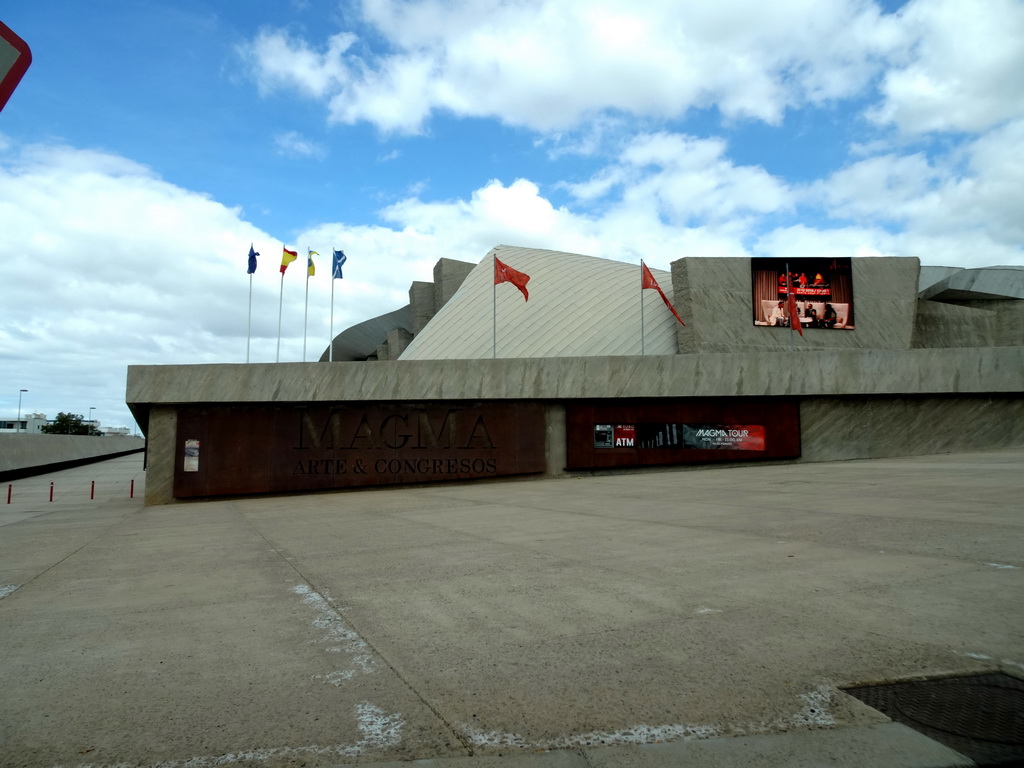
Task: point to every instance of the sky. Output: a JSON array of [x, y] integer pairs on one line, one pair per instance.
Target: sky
[[150, 143]]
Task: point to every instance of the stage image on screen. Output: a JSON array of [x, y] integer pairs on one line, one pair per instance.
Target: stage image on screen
[[822, 289]]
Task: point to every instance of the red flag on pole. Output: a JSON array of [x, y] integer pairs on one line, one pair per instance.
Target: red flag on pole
[[505, 274], [794, 315], [647, 281]]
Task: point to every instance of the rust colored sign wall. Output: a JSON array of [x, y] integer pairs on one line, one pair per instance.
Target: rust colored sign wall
[[266, 449], [617, 434]]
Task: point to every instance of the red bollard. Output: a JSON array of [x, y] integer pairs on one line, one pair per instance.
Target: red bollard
[[92, 490], [51, 491], [8, 493], [131, 490]]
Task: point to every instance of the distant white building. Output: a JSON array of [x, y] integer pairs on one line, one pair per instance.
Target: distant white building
[[32, 423]]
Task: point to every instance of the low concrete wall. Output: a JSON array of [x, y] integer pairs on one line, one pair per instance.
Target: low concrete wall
[[831, 429], [853, 403], [23, 455], [748, 374], [842, 428]]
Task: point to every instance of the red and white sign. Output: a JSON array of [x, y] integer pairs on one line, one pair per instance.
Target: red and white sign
[[14, 60], [624, 435]]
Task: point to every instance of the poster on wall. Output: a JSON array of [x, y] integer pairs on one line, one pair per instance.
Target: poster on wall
[[822, 288], [191, 456], [732, 437]]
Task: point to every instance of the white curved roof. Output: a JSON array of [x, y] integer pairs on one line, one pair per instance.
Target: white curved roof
[[579, 306]]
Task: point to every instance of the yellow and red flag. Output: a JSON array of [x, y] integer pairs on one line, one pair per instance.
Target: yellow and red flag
[[287, 258]]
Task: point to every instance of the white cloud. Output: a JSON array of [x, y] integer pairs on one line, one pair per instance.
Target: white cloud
[[799, 241], [975, 192], [281, 61], [552, 64], [962, 67], [886, 187], [107, 266], [518, 214], [687, 180], [966, 249], [294, 144]]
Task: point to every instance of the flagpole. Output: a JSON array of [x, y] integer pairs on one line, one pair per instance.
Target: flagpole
[[305, 312], [330, 342], [790, 305], [248, 334], [280, 305], [338, 259], [643, 347], [494, 311]]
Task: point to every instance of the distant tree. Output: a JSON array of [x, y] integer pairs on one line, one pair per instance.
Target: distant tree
[[69, 424]]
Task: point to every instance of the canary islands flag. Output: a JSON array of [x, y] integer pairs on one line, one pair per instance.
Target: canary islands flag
[[310, 267]]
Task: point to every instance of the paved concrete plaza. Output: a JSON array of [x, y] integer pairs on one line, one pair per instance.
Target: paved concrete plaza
[[686, 617]]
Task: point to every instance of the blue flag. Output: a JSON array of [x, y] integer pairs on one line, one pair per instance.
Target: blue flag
[[339, 261], [252, 260]]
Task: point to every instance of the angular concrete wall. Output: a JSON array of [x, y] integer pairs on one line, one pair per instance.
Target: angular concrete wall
[[837, 429], [22, 455], [750, 374], [448, 277], [1003, 282], [714, 297], [427, 298], [161, 435], [392, 348], [994, 323], [421, 300]]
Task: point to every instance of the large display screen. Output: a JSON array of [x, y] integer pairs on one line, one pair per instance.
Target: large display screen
[[822, 289]]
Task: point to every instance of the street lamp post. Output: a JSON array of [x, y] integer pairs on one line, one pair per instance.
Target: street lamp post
[[19, 408]]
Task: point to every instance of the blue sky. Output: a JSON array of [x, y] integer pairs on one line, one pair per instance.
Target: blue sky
[[150, 142]]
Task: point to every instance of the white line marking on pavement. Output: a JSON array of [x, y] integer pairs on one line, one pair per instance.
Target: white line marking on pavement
[[815, 713], [340, 639], [637, 734], [380, 731]]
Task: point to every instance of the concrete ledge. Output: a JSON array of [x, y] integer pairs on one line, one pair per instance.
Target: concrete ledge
[[26, 455], [748, 374], [855, 404], [891, 745]]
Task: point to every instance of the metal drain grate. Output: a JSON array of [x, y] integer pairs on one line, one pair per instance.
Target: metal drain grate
[[980, 716]]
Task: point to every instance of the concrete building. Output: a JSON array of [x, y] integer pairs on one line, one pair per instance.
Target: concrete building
[[472, 380], [30, 423]]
